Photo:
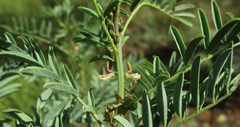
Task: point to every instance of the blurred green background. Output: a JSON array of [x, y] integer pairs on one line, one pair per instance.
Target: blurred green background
[[149, 35]]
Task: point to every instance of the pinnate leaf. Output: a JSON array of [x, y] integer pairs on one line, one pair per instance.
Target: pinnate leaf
[[215, 71], [23, 57]]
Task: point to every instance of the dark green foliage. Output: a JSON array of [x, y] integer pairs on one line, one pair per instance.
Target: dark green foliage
[[159, 90]]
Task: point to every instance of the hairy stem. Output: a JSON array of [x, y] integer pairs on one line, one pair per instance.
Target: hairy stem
[[104, 26], [116, 49]]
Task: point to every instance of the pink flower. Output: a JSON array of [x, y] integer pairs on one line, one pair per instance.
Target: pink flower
[[75, 47]]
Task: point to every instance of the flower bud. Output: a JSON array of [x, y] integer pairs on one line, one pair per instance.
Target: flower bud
[[106, 77], [110, 107], [130, 97], [129, 66], [135, 76], [115, 123]]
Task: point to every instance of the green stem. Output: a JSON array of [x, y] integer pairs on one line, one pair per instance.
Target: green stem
[[119, 61], [137, 9], [118, 54], [80, 101], [104, 26], [97, 119], [116, 49], [92, 113]]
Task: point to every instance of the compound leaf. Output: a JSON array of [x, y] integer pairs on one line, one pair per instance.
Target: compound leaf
[[40, 72], [215, 71], [23, 57]]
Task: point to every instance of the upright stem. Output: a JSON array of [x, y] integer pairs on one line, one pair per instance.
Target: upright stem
[[117, 49], [119, 61], [118, 54], [120, 72]]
